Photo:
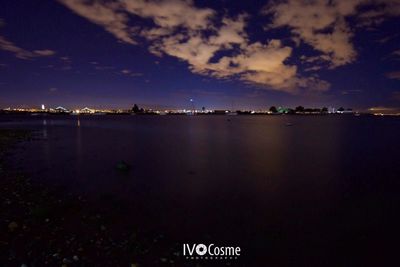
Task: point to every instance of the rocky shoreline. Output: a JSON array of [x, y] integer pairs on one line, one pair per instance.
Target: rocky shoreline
[[42, 226]]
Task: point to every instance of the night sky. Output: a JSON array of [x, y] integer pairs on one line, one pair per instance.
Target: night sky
[[223, 54]]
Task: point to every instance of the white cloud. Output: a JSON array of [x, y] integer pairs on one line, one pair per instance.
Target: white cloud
[[324, 24], [231, 32], [320, 24], [380, 11], [393, 75], [105, 14], [65, 59], [171, 13], [396, 53], [21, 53], [312, 68], [130, 73], [44, 53], [262, 64], [211, 45]]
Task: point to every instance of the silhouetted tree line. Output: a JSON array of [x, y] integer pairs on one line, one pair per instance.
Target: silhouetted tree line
[[137, 110], [301, 109], [243, 112]]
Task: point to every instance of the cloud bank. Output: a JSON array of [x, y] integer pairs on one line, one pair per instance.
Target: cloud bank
[[19, 52], [324, 25], [219, 46]]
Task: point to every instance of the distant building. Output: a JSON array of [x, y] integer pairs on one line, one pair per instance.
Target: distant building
[[346, 111], [61, 110], [87, 110]]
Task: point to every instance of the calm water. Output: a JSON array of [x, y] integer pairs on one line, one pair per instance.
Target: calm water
[[325, 189]]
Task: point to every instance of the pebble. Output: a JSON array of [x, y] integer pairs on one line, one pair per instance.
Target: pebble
[[12, 226]]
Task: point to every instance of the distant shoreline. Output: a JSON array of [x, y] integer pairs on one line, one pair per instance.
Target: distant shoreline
[[197, 114]]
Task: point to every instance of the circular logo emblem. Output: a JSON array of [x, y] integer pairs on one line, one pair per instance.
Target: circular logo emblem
[[201, 249]]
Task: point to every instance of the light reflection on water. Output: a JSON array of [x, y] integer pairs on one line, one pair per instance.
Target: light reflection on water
[[248, 150], [243, 177]]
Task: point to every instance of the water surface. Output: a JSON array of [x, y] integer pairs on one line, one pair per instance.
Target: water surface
[[324, 189]]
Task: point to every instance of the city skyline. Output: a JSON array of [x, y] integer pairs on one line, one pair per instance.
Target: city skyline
[[161, 54], [135, 110]]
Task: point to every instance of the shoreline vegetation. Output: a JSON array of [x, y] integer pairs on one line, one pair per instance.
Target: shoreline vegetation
[[45, 225]]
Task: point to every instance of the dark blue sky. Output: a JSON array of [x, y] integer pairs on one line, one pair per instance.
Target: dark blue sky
[[223, 54]]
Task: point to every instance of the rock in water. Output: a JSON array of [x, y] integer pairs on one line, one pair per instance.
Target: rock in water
[[12, 226], [123, 166]]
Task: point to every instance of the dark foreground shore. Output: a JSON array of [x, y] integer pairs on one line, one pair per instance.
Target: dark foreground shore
[[43, 226]]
